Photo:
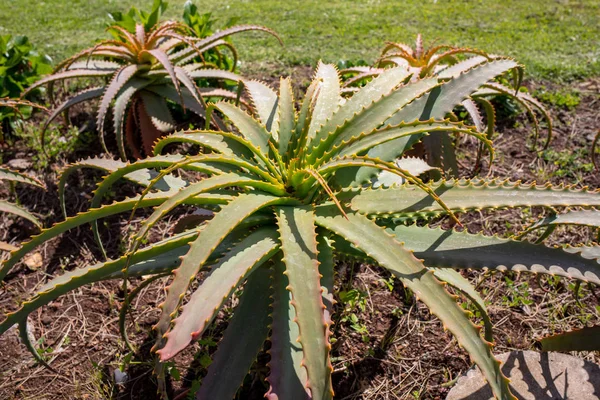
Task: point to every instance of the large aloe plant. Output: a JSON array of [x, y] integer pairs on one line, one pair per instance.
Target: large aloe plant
[[290, 190], [445, 62], [143, 71]]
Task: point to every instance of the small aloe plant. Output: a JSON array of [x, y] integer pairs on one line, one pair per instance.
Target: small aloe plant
[[143, 72], [291, 190], [443, 61]]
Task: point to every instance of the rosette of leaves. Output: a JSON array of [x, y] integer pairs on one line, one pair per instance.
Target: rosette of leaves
[[201, 26], [445, 62], [142, 73], [20, 66], [291, 190]]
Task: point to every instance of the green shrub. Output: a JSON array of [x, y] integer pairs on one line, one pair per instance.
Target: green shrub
[[20, 66], [562, 98], [292, 189], [135, 16]]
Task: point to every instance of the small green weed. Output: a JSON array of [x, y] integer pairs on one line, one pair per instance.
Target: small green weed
[[353, 300], [56, 143], [568, 99], [569, 163], [517, 294]]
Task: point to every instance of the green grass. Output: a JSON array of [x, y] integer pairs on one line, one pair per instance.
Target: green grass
[[555, 39]]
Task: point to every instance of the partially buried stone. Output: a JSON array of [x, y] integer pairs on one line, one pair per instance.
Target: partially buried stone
[[19, 164], [535, 376]]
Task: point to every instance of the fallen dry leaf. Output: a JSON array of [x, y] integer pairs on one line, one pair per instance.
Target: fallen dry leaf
[[33, 261]]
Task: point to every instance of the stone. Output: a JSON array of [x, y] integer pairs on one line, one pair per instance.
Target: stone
[[19, 164], [535, 376]]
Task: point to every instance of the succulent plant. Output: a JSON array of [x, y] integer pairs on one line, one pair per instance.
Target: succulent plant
[[443, 61], [293, 189], [143, 72]]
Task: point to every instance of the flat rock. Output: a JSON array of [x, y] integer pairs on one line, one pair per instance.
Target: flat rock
[[535, 376], [19, 164]]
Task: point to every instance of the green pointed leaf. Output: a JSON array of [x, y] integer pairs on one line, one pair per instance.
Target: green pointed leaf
[[93, 64], [589, 218], [287, 376], [78, 73], [8, 207], [150, 200], [216, 229], [265, 102], [218, 286], [13, 176], [372, 92], [391, 254], [120, 108], [286, 114], [119, 80], [189, 99], [234, 357], [388, 134], [327, 102], [163, 59], [585, 339], [214, 142], [465, 195], [183, 196], [248, 127], [463, 250], [299, 247], [456, 280], [82, 276], [159, 113], [375, 114]]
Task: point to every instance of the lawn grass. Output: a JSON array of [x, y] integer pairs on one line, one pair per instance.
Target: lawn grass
[[555, 39]]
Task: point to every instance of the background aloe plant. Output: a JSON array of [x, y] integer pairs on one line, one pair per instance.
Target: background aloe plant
[[143, 72], [445, 62], [290, 190]]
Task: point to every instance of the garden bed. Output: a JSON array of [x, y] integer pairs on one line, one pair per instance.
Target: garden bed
[[387, 345]]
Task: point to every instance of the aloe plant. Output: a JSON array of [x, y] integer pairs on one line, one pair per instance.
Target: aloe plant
[[143, 72], [290, 191], [446, 62]]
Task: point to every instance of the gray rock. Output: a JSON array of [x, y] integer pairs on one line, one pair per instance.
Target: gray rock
[[19, 164], [120, 377], [535, 376]]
